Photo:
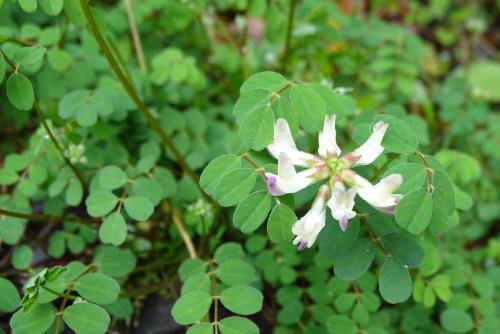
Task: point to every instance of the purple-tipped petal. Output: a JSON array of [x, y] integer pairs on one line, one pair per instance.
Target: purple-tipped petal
[[272, 186], [302, 245], [343, 223]]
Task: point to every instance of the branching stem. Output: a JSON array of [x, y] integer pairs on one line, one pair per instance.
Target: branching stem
[[48, 218], [153, 122]]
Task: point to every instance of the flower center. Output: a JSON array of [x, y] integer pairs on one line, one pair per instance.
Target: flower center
[[335, 165]]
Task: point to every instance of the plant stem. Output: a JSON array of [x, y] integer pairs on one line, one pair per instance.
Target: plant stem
[[48, 218], [428, 170], [47, 128], [57, 293], [255, 166], [286, 52], [58, 147], [136, 38], [184, 234], [134, 95]]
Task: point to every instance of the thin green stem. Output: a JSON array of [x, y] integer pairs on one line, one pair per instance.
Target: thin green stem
[[58, 293], [428, 170], [54, 141], [289, 28], [51, 135], [48, 218], [153, 122]]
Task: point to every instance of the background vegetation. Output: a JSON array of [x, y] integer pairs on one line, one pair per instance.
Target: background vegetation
[[111, 110]]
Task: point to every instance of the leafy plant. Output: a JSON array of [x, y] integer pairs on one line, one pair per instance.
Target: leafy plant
[[288, 166]]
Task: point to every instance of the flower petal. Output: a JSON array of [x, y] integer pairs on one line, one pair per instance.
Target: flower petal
[[371, 149], [341, 204], [380, 196], [327, 138], [283, 142], [289, 181], [308, 227]]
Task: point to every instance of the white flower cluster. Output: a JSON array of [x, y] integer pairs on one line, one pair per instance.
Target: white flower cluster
[[329, 165], [76, 153], [201, 208]]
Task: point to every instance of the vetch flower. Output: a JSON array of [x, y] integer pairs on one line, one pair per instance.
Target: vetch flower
[[327, 138], [307, 228], [337, 170], [341, 203], [380, 196], [371, 149], [288, 180], [283, 142]]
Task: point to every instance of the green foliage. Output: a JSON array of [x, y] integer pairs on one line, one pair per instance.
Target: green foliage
[[135, 159]]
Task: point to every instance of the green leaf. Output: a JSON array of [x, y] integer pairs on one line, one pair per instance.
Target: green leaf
[[403, 249], [482, 76], [414, 211], [100, 203], [74, 193], [191, 267], [394, 282], [271, 81], [354, 259], [228, 251], [115, 262], [413, 176], [309, 107], [234, 186], [37, 321], [399, 137], [149, 188], [233, 272], [121, 309], [432, 258], [345, 301], [191, 307], [456, 321], [30, 55], [242, 299], [139, 208], [113, 230], [337, 324], [201, 329], [51, 7], [256, 129], [29, 6], [22, 257], [9, 297], [60, 60], [85, 106], [279, 226], [237, 325], [249, 102], [3, 68], [252, 211], [112, 177], [198, 282], [86, 318], [98, 288], [20, 91], [215, 170]]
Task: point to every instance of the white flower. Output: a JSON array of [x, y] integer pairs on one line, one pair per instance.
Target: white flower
[[372, 148], [288, 180], [380, 196], [341, 203], [307, 228], [329, 165], [283, 142], [327, 138]]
